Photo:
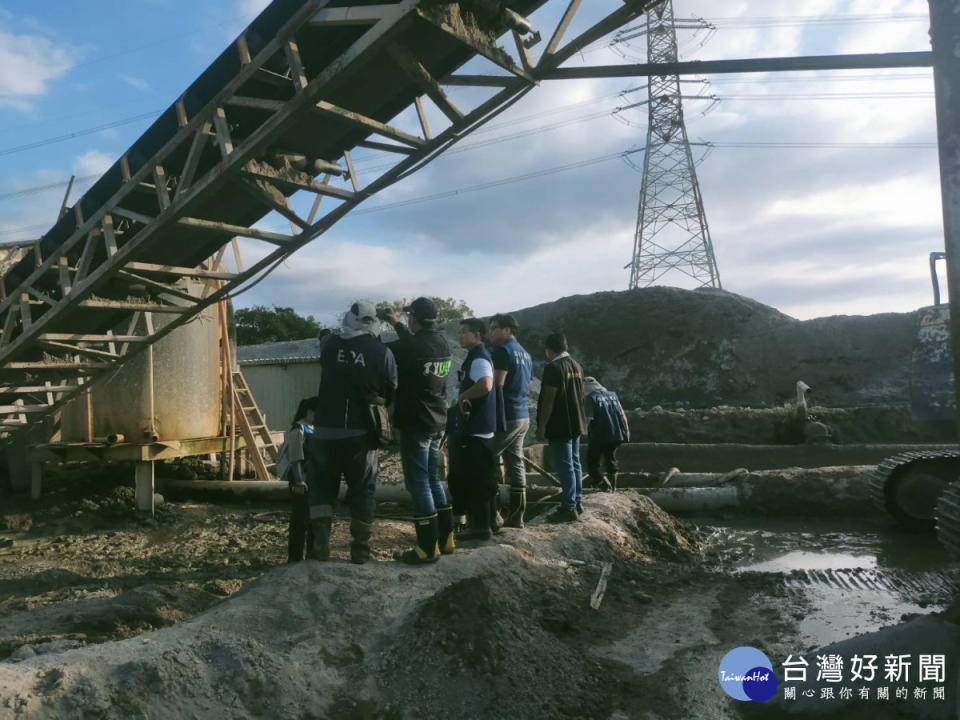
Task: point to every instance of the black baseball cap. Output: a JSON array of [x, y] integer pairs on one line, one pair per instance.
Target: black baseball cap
[[422, 308]]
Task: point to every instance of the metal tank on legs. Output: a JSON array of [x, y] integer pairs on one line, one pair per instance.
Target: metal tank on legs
[[171, 391]]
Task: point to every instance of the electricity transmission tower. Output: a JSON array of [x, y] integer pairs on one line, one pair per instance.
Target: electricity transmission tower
[[672, 234]]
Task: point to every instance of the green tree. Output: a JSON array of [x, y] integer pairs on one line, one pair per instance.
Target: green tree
[[450, 309], [260, 324]]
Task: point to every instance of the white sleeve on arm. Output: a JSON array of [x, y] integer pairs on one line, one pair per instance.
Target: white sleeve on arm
[[480, 368]]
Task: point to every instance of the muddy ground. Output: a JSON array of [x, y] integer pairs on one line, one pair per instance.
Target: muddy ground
[[211, 623]]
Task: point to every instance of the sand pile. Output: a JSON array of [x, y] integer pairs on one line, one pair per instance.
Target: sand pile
[[468, 636]]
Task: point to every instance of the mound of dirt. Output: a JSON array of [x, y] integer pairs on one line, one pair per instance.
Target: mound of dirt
[[471, 635], [664, 346]]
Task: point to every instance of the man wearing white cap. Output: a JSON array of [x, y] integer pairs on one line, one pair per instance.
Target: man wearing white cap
[[357, 370]]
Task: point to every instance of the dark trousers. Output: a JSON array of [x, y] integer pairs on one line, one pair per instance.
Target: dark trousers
[[357, 462], [301, 536], [474, 475], [601, 454]]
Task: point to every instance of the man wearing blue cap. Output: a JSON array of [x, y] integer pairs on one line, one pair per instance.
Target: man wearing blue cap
[[423, 364]]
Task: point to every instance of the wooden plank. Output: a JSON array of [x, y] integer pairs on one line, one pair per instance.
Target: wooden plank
[[335, 111], [422, 77], [42, 297], [64, 276], [130, 215], [461, 80], [351, 171], [180, 271], [66, 196], [243, 50], [83, 265], [256, 103], [25, 319], [47, 387], [157, 286], [99, 304], [296, 180], [160, 182], [386, 147], [182, 119], [57, 365], [316, 202], [80, 350], [94, 338], [9, 323], [228, 229], [522, 51], [224, 141], [297, 73], [109, 236], [22, 409], [260, 190], [422, 115], [134, 321], [193, 157], [370, 15], [561, 28], [125, 168], [268, 76], [597, 597]]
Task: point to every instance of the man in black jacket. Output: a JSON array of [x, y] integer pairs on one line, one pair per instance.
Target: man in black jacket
[[356, 370], [423, 364], [561, 421]]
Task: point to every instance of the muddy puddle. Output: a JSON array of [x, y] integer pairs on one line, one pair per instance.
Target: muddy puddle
[[852, 581]]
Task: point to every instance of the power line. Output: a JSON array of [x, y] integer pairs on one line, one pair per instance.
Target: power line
[[784, 20], [23, 192], [80, 133]]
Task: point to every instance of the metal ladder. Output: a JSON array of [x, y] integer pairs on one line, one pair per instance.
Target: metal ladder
[[253, 427]]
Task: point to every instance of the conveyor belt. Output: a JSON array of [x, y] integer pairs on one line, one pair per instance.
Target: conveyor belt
[[277, 113]]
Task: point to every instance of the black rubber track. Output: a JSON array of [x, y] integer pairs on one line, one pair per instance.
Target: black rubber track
[[948, 519], [898, 466]]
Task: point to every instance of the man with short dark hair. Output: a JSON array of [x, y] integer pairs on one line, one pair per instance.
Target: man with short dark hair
[[357, 370], [473, 478], [512, 371], [561, 421], [423, 364]]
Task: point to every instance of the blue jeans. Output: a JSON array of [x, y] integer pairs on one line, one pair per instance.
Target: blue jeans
[[420, 457], [566, 463]]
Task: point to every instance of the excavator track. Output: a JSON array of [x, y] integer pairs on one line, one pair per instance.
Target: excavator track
[[948, 519], [909, 484]]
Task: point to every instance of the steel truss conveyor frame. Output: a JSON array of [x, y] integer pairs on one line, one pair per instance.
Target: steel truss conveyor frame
[[302, 86]]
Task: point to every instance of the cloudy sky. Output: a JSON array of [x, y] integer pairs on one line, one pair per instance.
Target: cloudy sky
[[841, 224]]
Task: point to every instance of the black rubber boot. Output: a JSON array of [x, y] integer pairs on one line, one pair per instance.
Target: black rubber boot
[[426, 550], [563, 515], [445, 529], [479, 526], [320, 549], [612, 479], [360, 545], [518, 506]]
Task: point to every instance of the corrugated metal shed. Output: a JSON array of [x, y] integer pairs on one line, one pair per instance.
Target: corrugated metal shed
[[280, 374]]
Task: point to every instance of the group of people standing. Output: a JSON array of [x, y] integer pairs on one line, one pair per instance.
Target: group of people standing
[[332, 438]]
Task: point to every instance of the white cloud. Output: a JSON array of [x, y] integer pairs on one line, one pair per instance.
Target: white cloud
[[249, 9], [93, 162], [902, 202], [28, 63], [135, 82]]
